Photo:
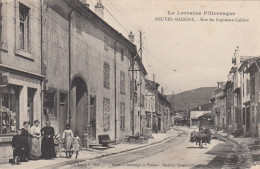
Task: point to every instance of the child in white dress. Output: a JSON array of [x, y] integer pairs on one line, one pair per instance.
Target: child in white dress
[[76, 143]]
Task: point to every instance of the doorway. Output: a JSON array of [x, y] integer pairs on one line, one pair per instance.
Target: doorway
[[247, 119], [79, 107], [93, 117]]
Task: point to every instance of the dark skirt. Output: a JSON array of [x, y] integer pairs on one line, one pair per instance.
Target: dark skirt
[[48, 148]]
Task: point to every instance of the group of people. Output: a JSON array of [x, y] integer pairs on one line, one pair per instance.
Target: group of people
[[28, 145]]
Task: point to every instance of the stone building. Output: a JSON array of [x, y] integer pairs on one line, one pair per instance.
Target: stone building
[[151, 101], [20, 68], [88, 73]]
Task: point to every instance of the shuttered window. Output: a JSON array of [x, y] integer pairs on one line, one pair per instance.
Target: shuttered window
[[106, 75], [106, 115], [122, 82], [122, 116]]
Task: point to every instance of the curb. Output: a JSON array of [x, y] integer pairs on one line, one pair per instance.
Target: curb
[[246, 156], [54, 166]]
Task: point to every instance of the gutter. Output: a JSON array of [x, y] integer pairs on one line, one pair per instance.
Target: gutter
[[115, 87], [69, 100]]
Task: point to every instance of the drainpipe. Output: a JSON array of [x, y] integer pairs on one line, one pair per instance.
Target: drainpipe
[[69, 32], [115, 87], [42, 62], [133, 97]]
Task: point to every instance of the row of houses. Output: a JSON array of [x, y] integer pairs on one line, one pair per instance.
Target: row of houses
[[61, 62], [236, 101]]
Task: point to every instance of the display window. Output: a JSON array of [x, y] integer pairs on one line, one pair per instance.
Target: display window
[[9, 106]]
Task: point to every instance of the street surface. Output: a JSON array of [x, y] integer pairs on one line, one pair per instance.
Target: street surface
[[176, 152]]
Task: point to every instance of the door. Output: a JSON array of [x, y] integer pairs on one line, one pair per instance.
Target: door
[[247, 119], [93, 118], [159, 124]]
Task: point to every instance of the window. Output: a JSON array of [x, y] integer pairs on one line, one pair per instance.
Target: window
[[122, 116], [252, 86], [142, 100], [78, 23], [9, 109], [122, 54], [135, 97], [3, 27], [24, 27], [106, 42], [122, 82], [106, 75], [106, 115]]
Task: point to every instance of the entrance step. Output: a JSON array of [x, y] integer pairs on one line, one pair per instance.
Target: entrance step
[[94, 145], [99, 148]]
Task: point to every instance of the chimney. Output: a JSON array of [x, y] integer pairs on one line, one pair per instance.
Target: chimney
[[99, 9], [154, 77], [236, 58], [131, 37], [162, 91], [85, 3]]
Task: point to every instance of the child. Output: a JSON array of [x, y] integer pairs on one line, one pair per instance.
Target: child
[[76, 143], [68, 138], [18, 147]]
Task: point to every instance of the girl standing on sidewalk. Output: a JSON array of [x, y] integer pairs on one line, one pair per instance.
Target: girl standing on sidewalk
[[76, 143], [68, 138]]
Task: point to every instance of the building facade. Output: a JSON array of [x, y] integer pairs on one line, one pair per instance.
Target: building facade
[[20, 88], [91, 83]]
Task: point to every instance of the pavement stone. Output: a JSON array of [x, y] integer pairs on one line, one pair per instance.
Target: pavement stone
[[245, 155]]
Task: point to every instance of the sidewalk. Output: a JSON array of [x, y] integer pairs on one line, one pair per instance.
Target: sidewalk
[[246, 154], [89, 154]]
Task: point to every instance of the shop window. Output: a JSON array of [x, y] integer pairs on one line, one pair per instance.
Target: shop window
[[9, 106], [30, 107], [49, 104], [122, 116], [106, 115]]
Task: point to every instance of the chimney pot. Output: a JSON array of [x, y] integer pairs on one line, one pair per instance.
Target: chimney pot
[[99, 9], [131, 37], [85, 3]]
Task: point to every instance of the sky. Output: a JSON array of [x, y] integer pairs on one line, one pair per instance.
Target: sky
[[200, 51]]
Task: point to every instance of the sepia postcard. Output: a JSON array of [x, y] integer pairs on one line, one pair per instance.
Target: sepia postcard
[[147, 84]]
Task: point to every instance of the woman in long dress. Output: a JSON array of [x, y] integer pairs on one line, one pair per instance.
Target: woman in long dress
[[48, 149], [68, 139], [35, 141]]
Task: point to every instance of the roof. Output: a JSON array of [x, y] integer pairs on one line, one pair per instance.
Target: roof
[[141, 65], [252, 63], [163, 98], [207, 116], [77, 5], [152, 84], [204, 107], [246, 62]]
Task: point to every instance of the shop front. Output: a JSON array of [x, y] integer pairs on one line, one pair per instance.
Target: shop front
[[19, 101]]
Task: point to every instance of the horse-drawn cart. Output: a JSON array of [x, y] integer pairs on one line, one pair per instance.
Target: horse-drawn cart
[[201, 137]]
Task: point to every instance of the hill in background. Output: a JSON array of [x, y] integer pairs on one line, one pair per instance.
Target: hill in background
[[191, 98]]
